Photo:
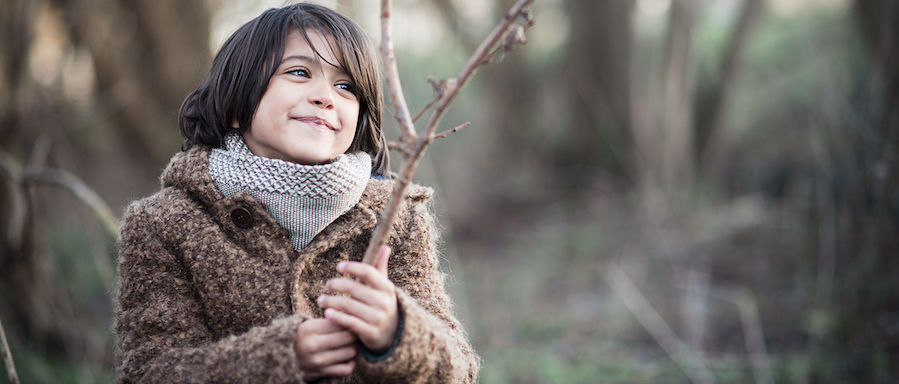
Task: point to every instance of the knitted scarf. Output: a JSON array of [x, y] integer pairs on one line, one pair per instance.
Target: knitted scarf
[[303, 199]]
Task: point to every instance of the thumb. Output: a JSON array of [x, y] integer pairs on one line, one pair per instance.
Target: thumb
[[383, 257]]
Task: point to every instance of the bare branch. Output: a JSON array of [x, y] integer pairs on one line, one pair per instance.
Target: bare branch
[[447, 91], [686, 359], [477, 59], [18, 215], [709, 118], [452, 131], [439, 89], [67, 180], [379, 237], [431, 104], [754, 337], [400, 108], [395, 146], [398, 146], [7, 358]]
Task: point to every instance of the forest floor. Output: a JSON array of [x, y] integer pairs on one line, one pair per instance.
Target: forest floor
[[535, 295]]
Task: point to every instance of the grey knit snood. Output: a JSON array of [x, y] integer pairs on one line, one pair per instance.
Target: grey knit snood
[[303, 199]]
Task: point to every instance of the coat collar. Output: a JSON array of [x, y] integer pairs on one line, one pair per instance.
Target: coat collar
[[189, 171]]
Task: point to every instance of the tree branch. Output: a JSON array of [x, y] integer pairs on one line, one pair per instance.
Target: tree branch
[[754, 337], [7, 358], [681, 354], [400, 108], [709, 119], [67, 180], [513, 24], [478, 59], [425, 109], [452, 131]]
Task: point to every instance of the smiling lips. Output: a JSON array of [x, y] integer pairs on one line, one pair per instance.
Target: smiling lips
[[316, 121]]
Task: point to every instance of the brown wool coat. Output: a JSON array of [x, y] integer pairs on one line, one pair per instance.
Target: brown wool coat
[[210, 289]]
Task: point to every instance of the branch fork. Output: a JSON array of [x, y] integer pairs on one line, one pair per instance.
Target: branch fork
[[508, 33]]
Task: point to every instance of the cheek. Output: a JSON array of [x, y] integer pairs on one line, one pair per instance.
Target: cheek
[[351, 120], [353, 113]]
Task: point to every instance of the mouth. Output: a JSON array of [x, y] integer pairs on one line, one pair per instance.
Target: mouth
[[316, 121]]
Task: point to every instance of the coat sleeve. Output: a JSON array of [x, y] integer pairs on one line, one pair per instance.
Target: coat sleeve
[[433, 346], [160, 328]]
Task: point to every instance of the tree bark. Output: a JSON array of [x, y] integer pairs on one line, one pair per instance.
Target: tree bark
[[678, 133], [711, 105], [148, 55], [597, 73]]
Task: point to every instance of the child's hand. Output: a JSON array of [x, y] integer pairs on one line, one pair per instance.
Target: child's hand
[[325, 349], [369, 308]]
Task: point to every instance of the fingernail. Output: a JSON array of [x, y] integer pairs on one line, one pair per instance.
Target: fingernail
[[341, 265], [320, 300]]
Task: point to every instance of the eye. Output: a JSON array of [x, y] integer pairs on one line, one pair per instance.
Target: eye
[[349, 87], [298, 72]]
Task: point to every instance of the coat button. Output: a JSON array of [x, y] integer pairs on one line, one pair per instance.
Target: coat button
[[242, 218]]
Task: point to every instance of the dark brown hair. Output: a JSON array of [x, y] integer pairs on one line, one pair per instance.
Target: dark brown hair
[[241, 70]]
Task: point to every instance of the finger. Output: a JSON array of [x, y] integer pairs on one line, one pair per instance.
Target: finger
[[355, 324], [318, 327], [334, 356], [368, 274], [342, 369], [326, 342], [383, 258], [352, 307], [361, 292]]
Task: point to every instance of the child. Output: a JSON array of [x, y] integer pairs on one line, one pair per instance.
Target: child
[[244, 266]]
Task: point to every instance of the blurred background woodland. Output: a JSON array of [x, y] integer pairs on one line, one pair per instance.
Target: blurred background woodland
[[662, 191]]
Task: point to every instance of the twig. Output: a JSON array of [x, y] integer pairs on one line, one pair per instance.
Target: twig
[[682, 355], [67, 180], [78, 188], [755, 339], [452, 131], [447, 91], [476, 60], [18, 215], [753, 336], [423, 110], [7, 358], [400, 108], [396, 146], [19, 177]]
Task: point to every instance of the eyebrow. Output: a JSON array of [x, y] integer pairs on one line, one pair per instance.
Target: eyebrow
[[298, 57], [310, 59]]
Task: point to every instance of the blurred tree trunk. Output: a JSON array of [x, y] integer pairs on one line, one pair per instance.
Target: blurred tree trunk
[[672, 133], [864, 199], [146, 55], [23, 275], [712, 101], [597, 71], [678, 131]]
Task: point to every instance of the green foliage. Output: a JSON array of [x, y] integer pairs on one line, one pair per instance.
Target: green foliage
[[34, 367]]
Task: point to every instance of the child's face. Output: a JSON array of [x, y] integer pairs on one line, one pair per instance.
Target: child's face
[[309, 111]]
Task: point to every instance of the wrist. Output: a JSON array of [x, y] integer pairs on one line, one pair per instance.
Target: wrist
[[376, 355]]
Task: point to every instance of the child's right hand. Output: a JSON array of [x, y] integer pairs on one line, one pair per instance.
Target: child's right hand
[[325, 349]]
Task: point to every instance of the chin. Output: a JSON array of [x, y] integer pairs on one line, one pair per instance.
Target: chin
[[307, 160]]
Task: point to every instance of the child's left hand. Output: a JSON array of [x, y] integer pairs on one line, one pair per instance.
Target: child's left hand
[[369, 308]]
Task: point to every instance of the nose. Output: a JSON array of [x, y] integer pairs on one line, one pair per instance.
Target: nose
[[320, 96]]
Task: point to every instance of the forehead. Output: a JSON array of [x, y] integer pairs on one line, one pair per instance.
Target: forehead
[[319, 46]]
